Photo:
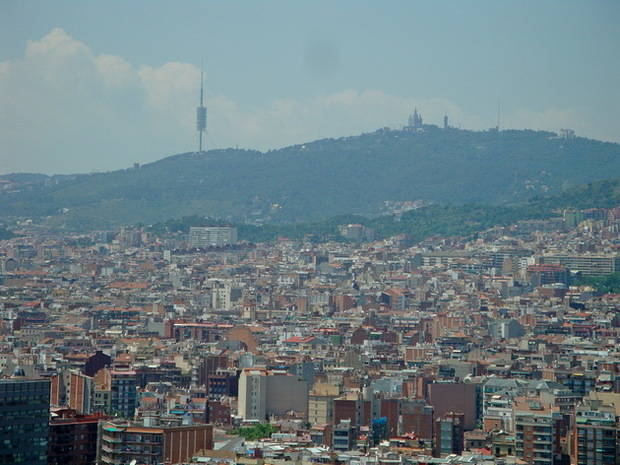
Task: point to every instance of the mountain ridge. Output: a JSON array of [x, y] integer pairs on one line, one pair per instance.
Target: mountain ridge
[[324, 178]]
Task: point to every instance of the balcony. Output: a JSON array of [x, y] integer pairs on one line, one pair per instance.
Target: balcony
[[146, 442], [115, 461], [113, 439], [542, 450], [106, 448]]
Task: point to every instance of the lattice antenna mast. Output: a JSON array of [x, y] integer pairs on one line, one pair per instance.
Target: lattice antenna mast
[[201, 115]]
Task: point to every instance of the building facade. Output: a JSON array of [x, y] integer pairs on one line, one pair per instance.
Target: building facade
[[590, 265], [120, 443], [123, 396], [263, 393], [537, 433], [597, 431], [449, 434], [212, 236], [73, 438], [24, 421]]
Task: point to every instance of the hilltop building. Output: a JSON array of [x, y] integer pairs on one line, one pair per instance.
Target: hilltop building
[[415, 120]]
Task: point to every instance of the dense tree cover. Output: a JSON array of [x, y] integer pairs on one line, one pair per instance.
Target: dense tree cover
[[444, 220], [609, 284], [323, 179], [601, 194], [253, 433]]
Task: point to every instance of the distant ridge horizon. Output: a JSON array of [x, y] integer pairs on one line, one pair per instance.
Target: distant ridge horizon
[[299, 144], [315, 180]]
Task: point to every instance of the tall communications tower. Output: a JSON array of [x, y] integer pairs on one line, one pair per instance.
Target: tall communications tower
[[201, 115]]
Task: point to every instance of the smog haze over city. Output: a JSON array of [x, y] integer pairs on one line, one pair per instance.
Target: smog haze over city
[[300, 233]]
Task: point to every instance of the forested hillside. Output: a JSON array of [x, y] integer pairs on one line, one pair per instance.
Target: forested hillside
[[322, 179]]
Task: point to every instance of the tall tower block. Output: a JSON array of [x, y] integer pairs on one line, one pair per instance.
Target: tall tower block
[[201, 114]]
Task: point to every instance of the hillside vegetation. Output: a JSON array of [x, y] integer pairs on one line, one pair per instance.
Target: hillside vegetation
[[441, 220], [326, 178]]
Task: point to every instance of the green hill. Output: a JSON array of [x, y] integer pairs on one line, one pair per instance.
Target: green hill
[[441, 220], [325, 178]]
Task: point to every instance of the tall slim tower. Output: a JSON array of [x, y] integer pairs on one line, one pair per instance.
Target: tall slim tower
[[201, 114]]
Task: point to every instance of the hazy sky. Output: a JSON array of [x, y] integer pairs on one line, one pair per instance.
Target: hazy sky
[[98, 85]]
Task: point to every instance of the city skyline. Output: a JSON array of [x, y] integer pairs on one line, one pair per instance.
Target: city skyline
[[80, 96], [309, 233]]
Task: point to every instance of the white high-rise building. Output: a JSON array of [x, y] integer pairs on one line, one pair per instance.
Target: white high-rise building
[[212, 236]]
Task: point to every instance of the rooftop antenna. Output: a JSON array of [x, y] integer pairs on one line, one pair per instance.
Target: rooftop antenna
[[201, 113]]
